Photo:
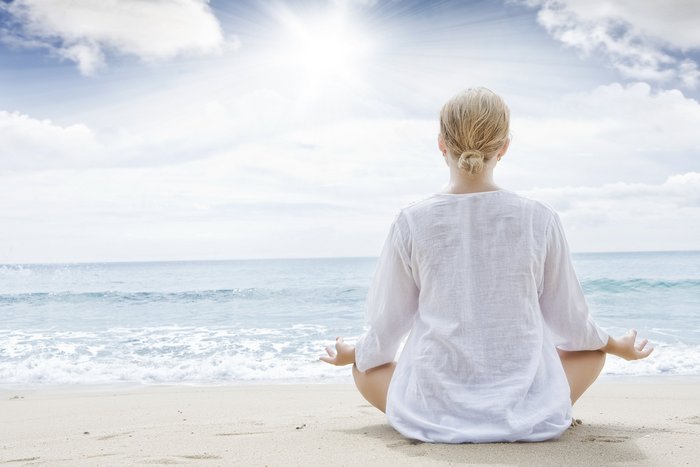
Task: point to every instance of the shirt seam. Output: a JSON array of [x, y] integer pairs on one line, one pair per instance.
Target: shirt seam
[[546, 252], [405, 257]]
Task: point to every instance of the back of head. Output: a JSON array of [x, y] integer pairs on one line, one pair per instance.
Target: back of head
[[474, 125]]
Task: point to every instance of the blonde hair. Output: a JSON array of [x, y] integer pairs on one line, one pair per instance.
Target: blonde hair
[[474, 125]]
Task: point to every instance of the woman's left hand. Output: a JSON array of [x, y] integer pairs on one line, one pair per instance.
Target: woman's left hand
[[344, 354]]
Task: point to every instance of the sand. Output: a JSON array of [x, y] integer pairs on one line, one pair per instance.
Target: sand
[[626, 421]]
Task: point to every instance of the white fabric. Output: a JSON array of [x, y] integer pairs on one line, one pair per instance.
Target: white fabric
[[484, 287]]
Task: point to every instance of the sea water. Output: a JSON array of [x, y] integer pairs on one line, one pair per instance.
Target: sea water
[[248, 321]]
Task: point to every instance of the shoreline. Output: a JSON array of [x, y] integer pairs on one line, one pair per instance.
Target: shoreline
[[130, 386], [642, 420], [135, 386]]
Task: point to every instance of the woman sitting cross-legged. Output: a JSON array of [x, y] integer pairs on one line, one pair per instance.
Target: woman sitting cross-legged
[[500, 340]]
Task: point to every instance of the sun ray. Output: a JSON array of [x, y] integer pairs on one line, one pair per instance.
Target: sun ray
[[321, 48]]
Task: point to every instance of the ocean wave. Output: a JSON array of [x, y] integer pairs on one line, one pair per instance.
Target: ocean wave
[[169, 355], [214, 356], [188, 296], [666, 359], [637, 284], [338, 293]]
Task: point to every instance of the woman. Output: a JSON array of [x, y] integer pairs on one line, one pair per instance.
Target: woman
[[501, 342]]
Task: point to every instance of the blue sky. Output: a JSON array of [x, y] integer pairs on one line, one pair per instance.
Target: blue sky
[[138, 130]]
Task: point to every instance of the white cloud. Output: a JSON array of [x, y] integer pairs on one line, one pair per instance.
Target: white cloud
[[155, 134], [673, 21], [180, 124], [629, 216], [233, 159], [83, 30], [689, 74], [613, 133], [29, 143], [641, 38], [287, 188], [88, 56], [246, 177], [220, 208]]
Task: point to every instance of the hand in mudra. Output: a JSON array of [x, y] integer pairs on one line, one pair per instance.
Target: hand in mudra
[[344, 354], [625, 347]]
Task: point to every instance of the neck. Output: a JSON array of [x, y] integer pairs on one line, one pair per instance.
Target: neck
[[461, 182]]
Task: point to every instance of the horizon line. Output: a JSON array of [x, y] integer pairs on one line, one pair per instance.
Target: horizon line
[[56, 263]]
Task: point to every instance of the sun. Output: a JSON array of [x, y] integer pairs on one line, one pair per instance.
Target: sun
[[323, 46]]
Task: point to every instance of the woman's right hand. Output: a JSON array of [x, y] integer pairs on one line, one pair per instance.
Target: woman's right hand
[[344, 353], [625, 347]]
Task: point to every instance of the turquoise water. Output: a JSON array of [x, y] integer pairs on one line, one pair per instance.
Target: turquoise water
[[222, 322]]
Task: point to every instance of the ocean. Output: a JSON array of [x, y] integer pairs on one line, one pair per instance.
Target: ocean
[[268, 321]]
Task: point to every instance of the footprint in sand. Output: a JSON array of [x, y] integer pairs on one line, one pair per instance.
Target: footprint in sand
[[115, 435], [404, 442], [159, 461], [201, 456], [606, 439]]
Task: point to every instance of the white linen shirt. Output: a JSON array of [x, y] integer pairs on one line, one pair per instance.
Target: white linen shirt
[[484, 286]]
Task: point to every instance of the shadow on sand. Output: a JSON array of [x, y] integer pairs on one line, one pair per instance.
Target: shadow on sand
[[580, 445]]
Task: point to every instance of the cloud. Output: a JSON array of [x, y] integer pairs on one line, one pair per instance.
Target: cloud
[[88, 56], [612, 133], [629, 216], [677, 191], [264, 128], [230, 158], [286, 189], [240, 178], [642, 39], [154, 134], [30, 144], [214, 209], [84, 30]]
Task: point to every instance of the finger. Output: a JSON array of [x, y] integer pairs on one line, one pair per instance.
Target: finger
[[646, 353], [327, 359], [641, 344], [633, 334], [339, 339], [330, 351]]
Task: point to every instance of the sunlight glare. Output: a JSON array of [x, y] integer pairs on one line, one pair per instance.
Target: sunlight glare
[[323, 46]]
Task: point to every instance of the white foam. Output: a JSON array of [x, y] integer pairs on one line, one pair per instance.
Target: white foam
[[201, 356], [666, 359]]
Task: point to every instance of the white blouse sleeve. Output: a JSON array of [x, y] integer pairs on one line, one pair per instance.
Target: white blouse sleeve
[[392, 301], [561, 299]]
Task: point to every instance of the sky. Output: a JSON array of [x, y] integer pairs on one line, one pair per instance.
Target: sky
[[139, 130]]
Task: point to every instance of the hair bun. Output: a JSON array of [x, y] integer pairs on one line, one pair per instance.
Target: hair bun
[[471, 160], [472, 154]]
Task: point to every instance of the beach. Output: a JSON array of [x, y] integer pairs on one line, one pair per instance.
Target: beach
[[625, 421], [216, 363]]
